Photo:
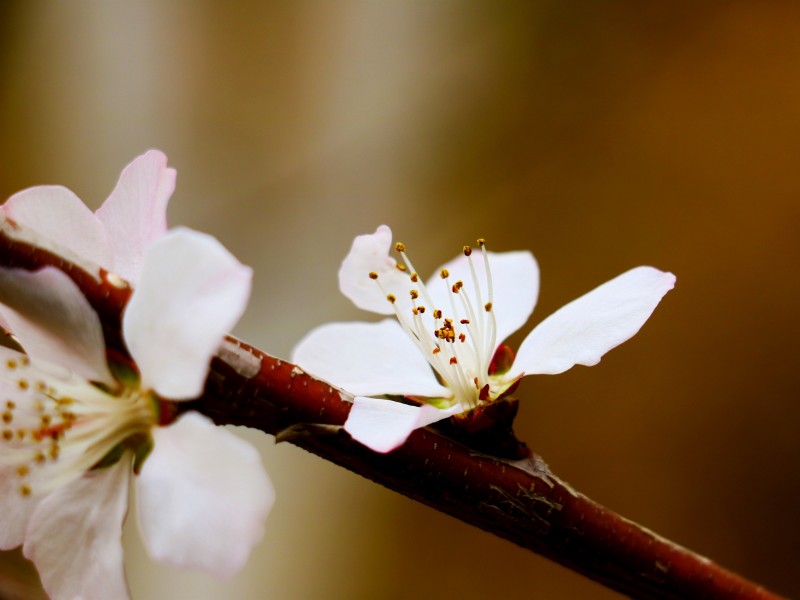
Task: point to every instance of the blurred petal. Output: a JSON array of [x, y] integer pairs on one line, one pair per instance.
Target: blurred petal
[[58, 214], [586, 328], [190, 294], [383, 425], [368, 358], [54, 322], [75, 536], [135, 214], [15, 509], [515, 281], [202, 497], [370, 253]]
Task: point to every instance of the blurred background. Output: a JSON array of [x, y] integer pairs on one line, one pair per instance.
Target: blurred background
[[600, 136]]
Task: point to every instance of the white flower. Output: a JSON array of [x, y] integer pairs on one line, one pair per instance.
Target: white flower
[[439, 351], [117, 236], [75, 424]]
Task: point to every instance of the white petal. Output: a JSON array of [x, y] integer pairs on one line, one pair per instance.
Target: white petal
[[588, 327], [367, 358], [15, 509], [370, 253], [135, 214], [191, 292], [74, 537], [58, 214], [54, 322], [202, 497], [515, 282], [383, 425]]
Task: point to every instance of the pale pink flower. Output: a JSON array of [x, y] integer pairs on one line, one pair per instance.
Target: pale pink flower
[[439, 349], [75, 426]]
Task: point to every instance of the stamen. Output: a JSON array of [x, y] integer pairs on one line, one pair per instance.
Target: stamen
[[373, 275], [414, 277], [391, 298], [444, 274], [401, 267], [400, 247], [467, 250], [414, 294]]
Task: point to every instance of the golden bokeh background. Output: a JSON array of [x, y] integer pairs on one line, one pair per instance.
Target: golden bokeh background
[[599, 135]]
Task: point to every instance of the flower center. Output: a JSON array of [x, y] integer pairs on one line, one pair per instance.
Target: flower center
[[457, 339], [54, 429]]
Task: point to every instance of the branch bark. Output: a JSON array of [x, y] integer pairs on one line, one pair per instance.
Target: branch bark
[[519, 500]]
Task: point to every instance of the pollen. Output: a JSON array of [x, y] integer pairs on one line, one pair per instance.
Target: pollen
[[462, 337], [453, 360], [488, 307], [444, 274], [414, 294], [467, 250], [373, 275], [401, 267], [400, 247], [481, 242], [391, 298], [436, 350], [414, 277], [421, 309], [437, 314], [464, 321]]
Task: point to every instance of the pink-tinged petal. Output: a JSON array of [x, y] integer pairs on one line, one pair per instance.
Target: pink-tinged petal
[[54, 322], [370, 254], [135, 214], [190, 293], [515, 285], [202, 497], [368, 358], [15, 509], [383, 425], [588, 327], [59, 215], [74, 536]]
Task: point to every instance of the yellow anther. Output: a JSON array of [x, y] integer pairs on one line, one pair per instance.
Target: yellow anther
[[373, 275], [488, 307], [462, 337], [7, 417], [437, 350], [481, 242], [437, 314], [22, 470], [25, 490], [414, 277], [41, 387], [46, 420], [391, 298], [400, 247], [8, 435], [10, 405], [401, 267], [414, 294], [453, 360], [444, 274], [39, 458], [23, 384], [467, 250], [11, 363], [421, 309]]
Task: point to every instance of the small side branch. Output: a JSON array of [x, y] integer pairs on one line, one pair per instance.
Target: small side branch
[[519, 500]]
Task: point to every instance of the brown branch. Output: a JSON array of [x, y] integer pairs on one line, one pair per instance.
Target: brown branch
[[520, 500]]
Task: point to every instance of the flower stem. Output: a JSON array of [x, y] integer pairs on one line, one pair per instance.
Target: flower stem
[[520, 500]]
